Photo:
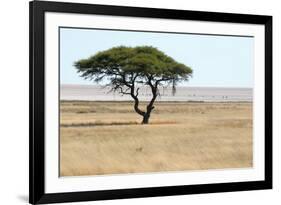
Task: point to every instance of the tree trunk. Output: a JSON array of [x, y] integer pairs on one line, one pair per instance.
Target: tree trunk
[[145, 119], [146, 115], [149, 107]]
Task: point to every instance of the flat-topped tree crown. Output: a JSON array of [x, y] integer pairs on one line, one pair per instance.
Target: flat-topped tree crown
[[127, 67]]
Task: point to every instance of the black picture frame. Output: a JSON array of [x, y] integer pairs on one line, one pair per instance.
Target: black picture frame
[[37, 194]]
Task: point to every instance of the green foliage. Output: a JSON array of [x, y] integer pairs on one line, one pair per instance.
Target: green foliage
[[132, 64]]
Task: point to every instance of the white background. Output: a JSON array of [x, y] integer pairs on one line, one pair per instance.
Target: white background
[[14, 100], [69, 184]]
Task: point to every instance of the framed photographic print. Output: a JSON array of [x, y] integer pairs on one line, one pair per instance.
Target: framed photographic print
[[140, 102]]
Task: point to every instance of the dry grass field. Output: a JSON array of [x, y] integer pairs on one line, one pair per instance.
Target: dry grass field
[[107, 137]]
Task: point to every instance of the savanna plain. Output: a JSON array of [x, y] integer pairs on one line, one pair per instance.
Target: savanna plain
[[99, 138]]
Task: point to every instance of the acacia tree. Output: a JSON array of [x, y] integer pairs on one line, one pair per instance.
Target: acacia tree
[[128, 68]]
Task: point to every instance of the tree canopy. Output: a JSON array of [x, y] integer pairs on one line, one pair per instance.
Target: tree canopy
[[125, 68]]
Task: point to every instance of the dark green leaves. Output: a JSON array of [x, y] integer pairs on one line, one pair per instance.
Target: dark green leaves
[[131, 63]]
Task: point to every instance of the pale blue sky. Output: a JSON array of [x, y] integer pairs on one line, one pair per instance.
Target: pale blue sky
[[218, 61]]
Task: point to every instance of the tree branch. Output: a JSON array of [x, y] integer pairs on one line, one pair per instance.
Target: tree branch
[[124, 92], [154, 89], [135, 97], [137, 92]]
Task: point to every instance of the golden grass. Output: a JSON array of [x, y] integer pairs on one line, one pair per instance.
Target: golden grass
[[107, 137]]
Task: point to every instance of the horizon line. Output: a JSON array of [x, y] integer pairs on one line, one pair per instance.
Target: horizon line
[[196, 86]]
